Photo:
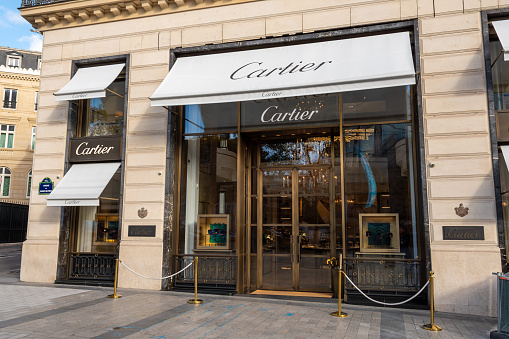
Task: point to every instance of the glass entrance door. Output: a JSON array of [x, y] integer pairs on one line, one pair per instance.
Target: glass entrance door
[[295, 215]]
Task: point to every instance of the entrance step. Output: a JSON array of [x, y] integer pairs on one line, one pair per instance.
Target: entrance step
[[293, 294]]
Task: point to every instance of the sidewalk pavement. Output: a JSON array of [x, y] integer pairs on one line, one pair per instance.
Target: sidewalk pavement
[[32, 310]]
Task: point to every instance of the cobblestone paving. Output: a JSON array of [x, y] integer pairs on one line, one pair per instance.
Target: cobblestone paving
[[58, 311]]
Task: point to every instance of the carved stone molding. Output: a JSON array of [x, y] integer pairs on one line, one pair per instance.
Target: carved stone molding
[[48, 14]]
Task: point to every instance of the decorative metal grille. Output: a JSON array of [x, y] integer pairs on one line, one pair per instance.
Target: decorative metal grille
[[9, 104], [383, 274], [211, 269], [92, 266], [30, 3]]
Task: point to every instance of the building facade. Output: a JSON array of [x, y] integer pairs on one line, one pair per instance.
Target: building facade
[[266, 137], [19, 83]]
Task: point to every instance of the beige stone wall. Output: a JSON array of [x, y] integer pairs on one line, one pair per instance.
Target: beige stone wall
[[19, 158], [454, 103]]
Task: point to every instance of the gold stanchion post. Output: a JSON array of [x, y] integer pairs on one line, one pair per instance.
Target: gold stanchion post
[[195, 300], [115, 295], [432, 326], [339, 313]]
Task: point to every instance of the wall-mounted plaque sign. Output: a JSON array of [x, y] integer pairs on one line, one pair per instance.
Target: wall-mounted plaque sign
[[463, 232], [141, 231], [95, 149], [46, 186]]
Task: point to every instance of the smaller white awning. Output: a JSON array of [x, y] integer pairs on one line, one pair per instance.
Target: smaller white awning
[[502, 29], [89, 83], [505, 153], [82, 185]]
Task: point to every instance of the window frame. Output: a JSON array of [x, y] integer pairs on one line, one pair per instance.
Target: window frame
[[10, 91], [36, 101], [12, 58], [32, 141], [3, 175], [7, 133], [29, 184]]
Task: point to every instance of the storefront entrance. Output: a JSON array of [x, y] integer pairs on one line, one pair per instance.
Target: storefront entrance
[[293, 198]]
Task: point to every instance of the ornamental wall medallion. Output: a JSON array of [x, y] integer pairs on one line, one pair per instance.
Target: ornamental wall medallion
[[461, 211], [142, 212]]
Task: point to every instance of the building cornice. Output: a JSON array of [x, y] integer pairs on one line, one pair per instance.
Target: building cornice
[[14, 76], [86, 12]]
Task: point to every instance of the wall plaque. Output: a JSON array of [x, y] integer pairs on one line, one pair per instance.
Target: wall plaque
[[46, 186], [463, 232], [142, 231], [95, 149]]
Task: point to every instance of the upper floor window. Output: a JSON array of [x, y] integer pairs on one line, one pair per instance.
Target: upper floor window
[[29, 183], [5, 181], [36, 101], [104, 116], [10, 98], [33, 138], [6, 136], [13, 61], [39, 63]]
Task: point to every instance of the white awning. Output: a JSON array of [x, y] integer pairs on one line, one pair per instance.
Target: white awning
[[89, 82], [82, 185], [505, 153], [502, 29], [279, 72]]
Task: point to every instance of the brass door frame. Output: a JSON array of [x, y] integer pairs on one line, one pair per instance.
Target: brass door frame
[[295, 255]]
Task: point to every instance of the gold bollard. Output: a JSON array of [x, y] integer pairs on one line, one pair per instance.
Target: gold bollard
[[432, 326], [195, 300], [339, 313], [115, 295]]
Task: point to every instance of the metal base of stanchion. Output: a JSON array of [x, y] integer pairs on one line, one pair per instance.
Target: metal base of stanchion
[[340, 314], [432, 327], [195, 301], [114, 296]]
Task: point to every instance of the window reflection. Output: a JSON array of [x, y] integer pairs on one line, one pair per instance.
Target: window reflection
[[105, 116], [379, 179]]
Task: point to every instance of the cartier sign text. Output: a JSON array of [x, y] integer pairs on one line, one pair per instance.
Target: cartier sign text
[[95, 149]]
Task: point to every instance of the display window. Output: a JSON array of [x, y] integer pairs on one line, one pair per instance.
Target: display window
[[324, 176]]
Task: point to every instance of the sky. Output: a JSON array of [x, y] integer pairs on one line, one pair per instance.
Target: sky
[[14, 30]]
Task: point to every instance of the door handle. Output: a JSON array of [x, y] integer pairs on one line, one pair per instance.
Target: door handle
[[299, 237]]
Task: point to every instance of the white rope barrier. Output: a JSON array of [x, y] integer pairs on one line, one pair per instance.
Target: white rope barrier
[[172, 275], [382, 303]]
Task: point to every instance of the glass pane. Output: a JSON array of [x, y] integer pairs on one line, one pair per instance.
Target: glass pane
[[277, 210], [29, 188], [315, 111], [502, 125], [14, 95], [3, 138], [379, 181], [377, 105], [212, 118], [313, 150], [254, 239], [500, 76], [6, 186], [105, 116], [209, 184], [277, 271], [276, 239], [314, 201], [277, 182], [10, 140], [254, 210]]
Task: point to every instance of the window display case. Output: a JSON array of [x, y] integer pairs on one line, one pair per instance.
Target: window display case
[[213, 232], [379, 232]]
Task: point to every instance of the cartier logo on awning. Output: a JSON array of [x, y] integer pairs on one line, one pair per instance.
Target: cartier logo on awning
[[95, 149]]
